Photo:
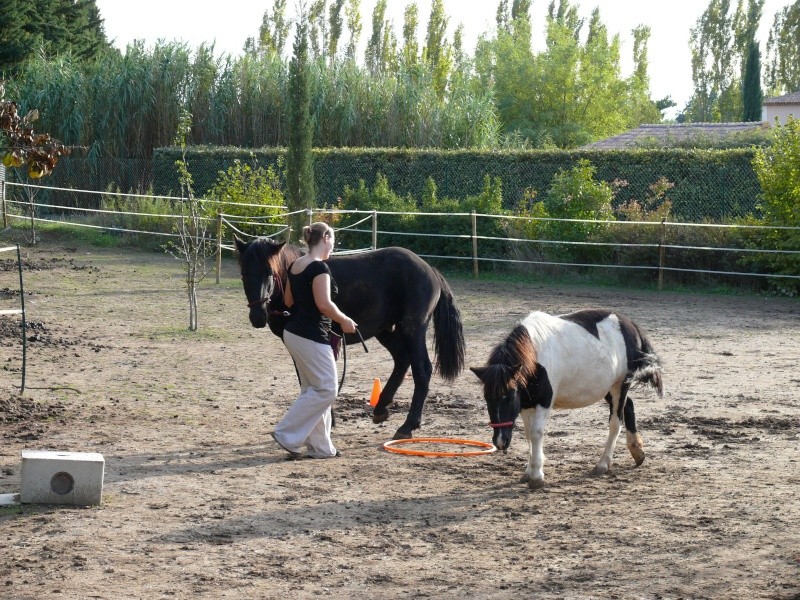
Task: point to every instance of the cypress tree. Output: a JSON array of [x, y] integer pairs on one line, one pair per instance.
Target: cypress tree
[[300, 191], [752, 96]]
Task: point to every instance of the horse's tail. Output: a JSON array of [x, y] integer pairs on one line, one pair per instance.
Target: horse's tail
[[648, 367], [448, 337]]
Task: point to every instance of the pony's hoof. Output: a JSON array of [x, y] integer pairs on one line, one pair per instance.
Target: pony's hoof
[[535, 484], [599, 470], [400, 435], [636, 450]]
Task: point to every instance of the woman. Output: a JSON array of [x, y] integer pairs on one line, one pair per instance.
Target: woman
[[307, 337]]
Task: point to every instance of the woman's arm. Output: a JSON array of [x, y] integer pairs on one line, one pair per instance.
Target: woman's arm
[[321, 287]]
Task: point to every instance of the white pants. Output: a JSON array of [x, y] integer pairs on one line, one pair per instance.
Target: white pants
[[308, 420]]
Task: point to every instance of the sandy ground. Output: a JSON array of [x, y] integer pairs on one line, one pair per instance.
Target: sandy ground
[[198, 501]]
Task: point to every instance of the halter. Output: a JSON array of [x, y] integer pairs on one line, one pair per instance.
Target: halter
[[278, 284]]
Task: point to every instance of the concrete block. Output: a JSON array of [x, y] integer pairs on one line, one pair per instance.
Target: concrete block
[[61, 477]]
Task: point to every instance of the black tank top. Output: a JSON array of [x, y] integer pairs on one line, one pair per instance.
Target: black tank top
[[306, 320]]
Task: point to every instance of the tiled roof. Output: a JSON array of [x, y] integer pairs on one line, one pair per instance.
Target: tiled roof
[[673, 133], [793, 98]]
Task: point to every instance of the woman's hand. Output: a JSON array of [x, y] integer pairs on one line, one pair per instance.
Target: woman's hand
[[348, 325]]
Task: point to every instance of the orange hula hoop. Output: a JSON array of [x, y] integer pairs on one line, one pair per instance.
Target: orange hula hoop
[[487, 447]]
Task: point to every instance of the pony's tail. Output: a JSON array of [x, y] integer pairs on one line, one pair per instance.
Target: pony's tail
[[648, 369], [448, 337]]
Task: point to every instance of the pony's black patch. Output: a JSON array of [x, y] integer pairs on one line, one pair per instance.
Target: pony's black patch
[[538, 391], [588, 319]]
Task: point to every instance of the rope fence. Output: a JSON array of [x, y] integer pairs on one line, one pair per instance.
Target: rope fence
[[249, 227], [19, 311]]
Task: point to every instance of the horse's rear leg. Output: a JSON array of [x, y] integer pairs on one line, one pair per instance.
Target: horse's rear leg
[[613, 398], [394, 344], [422, 371], [634, 440]]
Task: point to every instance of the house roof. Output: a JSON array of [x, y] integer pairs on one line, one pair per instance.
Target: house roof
[[671, 133], [793, 98]]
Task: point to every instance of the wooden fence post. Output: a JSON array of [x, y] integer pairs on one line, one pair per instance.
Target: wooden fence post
[[661, 249], [219, 244], [474, 244], [374, 230], [3, 199]]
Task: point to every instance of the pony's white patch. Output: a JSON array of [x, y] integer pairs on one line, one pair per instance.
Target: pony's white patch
[[581, 368]]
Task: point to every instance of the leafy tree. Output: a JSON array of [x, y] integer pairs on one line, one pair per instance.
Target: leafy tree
[[437, 53], [410, 51], [381, 47], [353, 18], [720, 43], [642, 108], [274, 30], [318, 28], [783, 51], [335, 28], [300, 192], [195, 247]]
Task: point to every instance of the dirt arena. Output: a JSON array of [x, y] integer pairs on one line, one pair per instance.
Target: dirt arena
[[199, 502]]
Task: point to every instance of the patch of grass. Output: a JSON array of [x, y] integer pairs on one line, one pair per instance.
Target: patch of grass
[[10, 511], [180, 333]]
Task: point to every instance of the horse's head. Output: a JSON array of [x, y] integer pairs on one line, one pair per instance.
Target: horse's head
[[511, 364], [258, 261], [500, 390]]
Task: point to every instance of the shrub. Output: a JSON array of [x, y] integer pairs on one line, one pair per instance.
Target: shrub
[[251, 191], [777, 169]]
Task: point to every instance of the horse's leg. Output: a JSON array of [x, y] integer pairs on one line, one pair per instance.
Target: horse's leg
[[422, 371], [615, 398], [634, 440], [535, 420], [394, 344]]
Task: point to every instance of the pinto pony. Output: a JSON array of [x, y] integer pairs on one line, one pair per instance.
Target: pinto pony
[[564, 362], [391, 293]]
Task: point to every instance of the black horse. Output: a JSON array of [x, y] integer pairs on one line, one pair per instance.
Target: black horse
[[390, 293]]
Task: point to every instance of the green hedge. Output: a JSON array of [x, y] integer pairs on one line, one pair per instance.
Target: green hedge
[[708, 184]]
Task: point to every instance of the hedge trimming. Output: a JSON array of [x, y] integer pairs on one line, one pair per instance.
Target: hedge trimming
[[709, 184]]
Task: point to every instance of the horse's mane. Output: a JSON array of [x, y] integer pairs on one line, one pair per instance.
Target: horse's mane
[[512, 360], [264, 249]]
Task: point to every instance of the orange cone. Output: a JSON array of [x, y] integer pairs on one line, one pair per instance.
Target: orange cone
[[376, 392]]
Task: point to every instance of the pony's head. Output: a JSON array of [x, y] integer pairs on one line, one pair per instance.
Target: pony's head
[[258, 262], [510, 365]]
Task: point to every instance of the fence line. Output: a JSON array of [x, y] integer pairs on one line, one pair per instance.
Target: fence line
[[231, 221], [19, 311]]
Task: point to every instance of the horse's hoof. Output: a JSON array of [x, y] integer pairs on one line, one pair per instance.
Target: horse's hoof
[[599, 470], [399, 435], [380, 417], [535, 484]]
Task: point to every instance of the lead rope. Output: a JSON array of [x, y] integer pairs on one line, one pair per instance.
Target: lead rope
[[344, 355]]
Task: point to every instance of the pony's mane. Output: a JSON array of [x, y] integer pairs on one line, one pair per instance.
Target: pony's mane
[[512, 360]]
